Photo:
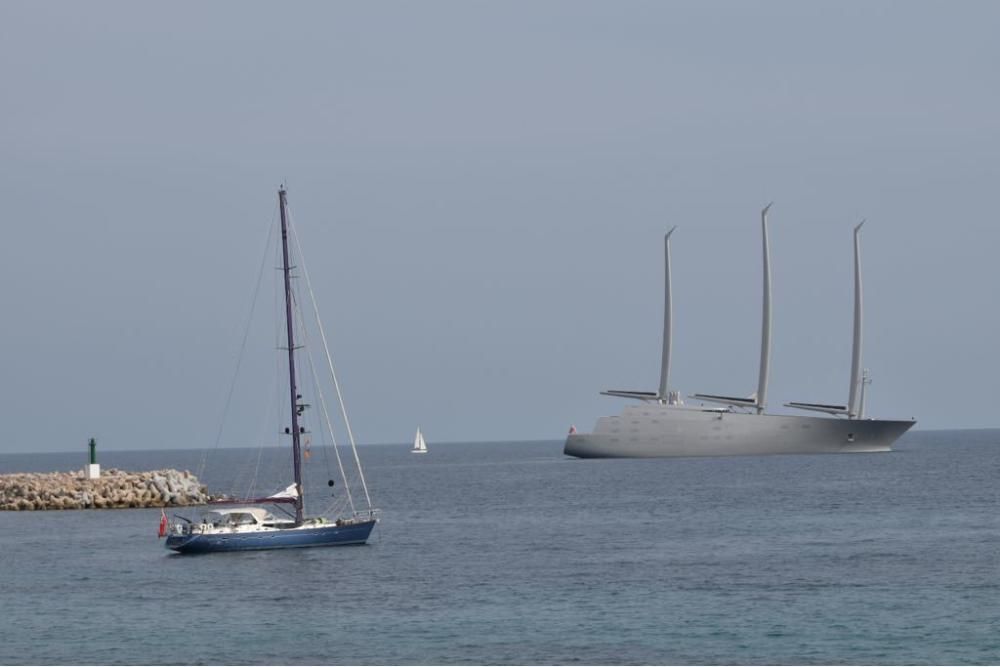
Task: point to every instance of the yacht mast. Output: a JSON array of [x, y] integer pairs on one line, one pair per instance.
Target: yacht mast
[[296, 448], [758, 400], [667, 329], [854, 408], [765, 334]]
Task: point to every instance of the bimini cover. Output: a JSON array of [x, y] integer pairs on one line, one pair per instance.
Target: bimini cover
[[239, 515]]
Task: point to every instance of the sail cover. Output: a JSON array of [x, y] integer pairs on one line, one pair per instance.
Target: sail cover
[[289, 492]]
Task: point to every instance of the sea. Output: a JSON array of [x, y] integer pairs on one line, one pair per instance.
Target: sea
[[511, 553]]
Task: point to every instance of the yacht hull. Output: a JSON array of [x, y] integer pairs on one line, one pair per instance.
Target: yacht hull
[[284, 538], [654, 430]]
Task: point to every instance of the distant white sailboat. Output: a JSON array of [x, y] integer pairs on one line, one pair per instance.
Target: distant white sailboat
[[419, 444]]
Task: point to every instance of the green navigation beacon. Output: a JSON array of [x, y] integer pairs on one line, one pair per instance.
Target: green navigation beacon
[[93, 469]]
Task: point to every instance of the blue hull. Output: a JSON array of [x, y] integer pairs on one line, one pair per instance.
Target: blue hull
[[292, 538]]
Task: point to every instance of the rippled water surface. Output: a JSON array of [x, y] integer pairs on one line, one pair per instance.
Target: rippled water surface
[[510, 553]]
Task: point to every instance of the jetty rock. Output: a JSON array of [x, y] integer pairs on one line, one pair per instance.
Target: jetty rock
[[114, 489]]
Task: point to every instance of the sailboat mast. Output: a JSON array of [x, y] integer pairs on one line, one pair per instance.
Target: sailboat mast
[[296, 446], [667, 316], [765, 334], [854, 409]]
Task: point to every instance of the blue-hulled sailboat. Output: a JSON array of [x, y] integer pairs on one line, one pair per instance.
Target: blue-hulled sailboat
[[250, 527]]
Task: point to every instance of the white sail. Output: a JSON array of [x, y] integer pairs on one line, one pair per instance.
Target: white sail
[[419, 444]]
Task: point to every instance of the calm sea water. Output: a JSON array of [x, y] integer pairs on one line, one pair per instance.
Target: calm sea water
[[511, 553]]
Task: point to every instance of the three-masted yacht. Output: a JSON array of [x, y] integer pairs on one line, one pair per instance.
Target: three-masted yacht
[[662, 425]]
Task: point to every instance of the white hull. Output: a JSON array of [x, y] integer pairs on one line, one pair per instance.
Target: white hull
[[418, 451], [655, 430]]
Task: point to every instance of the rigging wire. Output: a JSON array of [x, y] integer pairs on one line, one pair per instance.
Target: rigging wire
[[244, 485], [339, 503], [243, 345], [266, 418], [329, 359], [319, 394], [279, 402]]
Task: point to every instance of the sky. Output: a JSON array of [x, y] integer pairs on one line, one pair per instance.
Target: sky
[[482, 189]]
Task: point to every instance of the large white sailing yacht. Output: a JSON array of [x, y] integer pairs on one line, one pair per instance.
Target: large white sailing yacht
[[661, 425]]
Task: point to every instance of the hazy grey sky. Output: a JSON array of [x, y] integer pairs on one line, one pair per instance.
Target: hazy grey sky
[[482, 189]]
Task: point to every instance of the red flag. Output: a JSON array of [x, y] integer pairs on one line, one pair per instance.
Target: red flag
[[163, 523], [572, 429]]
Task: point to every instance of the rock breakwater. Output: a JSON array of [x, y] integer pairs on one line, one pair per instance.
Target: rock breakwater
[[114, 489]]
